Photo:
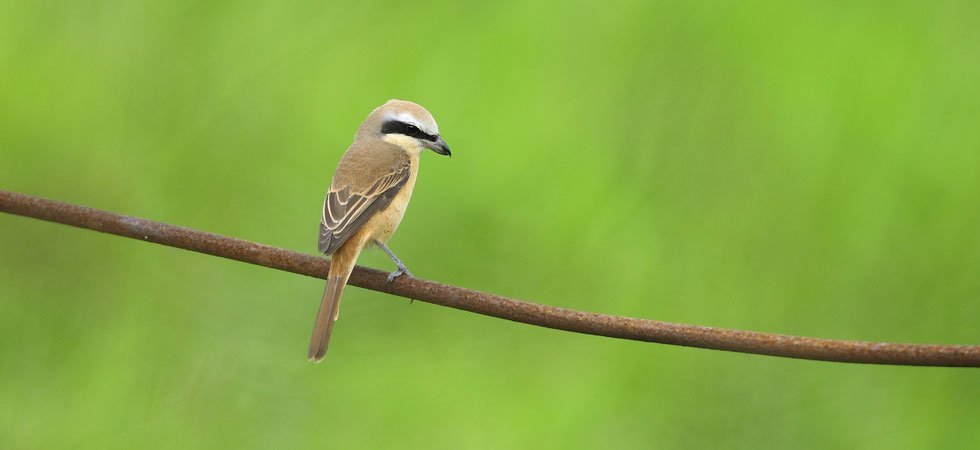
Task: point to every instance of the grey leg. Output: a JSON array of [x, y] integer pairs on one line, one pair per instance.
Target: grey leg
[[402, 270]]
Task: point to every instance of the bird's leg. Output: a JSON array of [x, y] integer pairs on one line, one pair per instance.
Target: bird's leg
[[402, 270]]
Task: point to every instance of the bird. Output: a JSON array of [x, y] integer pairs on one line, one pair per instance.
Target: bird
[[367, 199]]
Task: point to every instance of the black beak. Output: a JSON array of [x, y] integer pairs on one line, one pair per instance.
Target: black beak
[[439, 146]]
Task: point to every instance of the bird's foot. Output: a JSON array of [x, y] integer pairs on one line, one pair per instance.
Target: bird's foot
[[401, 271]]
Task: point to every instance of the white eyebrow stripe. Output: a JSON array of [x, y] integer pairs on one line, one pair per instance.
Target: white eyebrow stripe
[[407, 117]]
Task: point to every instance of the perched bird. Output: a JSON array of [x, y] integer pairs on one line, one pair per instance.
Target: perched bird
[[367, 198]]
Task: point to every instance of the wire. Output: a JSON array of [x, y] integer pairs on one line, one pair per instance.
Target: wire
[[495, 305]]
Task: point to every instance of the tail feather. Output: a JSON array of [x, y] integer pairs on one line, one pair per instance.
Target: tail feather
[[340, 268]]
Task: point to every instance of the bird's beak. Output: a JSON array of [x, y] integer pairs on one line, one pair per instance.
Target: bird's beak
[[439, 146]]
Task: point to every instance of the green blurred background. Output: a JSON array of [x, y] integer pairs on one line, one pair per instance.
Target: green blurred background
[[808, 168]]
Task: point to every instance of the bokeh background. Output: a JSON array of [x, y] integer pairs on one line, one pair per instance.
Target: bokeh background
[[808, 168]]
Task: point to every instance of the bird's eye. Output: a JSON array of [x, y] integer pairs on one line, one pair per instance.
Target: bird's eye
[[407, 129]]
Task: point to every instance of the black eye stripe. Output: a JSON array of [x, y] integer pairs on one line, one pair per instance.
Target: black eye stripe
[[407, 129]]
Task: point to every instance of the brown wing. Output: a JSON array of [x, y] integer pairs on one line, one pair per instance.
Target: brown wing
[[344, 212]]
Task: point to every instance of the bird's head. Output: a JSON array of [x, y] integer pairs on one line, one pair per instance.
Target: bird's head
[[406, 125]]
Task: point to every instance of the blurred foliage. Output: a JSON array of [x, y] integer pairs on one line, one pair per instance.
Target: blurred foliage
[[809, 168]]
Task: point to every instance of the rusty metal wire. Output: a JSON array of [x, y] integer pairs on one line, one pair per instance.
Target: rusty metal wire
[[495, 305]]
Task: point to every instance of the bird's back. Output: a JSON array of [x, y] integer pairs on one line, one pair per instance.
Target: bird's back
[[365, 162]]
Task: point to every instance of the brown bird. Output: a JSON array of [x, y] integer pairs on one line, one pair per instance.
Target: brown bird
[[367, 199]]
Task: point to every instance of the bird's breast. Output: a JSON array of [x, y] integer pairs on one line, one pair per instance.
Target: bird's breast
[[388, 220]]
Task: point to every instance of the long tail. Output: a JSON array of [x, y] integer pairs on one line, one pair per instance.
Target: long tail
[[341, 265]]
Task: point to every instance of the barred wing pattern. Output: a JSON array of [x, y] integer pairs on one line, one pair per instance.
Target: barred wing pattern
[[344, 212]]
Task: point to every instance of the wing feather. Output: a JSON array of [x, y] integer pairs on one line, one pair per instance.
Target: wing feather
[[344, 212]]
